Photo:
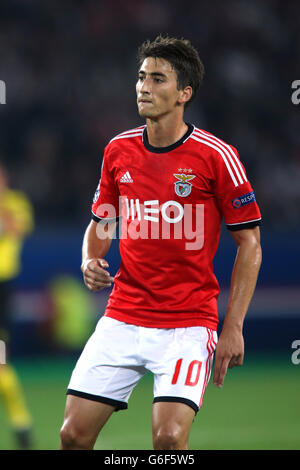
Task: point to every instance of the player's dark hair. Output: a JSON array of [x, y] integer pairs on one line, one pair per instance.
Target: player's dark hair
[[183, 57]]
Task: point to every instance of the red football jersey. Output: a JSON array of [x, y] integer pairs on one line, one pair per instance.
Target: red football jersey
[[171, 201]]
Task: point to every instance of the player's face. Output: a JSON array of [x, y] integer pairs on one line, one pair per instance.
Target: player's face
[[156, 88]]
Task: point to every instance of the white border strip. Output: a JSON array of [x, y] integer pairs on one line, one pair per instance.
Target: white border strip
[[247, 222]]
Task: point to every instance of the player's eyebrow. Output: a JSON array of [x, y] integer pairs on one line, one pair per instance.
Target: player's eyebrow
[[153, 74]]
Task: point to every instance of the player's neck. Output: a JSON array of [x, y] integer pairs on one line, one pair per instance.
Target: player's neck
[[163, 133]]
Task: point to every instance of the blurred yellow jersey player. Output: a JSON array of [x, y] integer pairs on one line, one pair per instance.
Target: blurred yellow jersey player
[[16, 222]]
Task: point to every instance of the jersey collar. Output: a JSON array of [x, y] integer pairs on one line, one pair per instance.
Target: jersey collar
[[169, 147]]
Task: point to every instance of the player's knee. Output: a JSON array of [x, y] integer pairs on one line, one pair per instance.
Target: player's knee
[[71, 438], [68, 437], [168, 437]]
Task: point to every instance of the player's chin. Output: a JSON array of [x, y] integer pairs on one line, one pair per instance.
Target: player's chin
[[145, 113]]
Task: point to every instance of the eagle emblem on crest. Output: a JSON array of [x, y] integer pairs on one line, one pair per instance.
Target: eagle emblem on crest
[[183, 187]]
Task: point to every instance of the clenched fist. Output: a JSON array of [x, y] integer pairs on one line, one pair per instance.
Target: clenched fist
[[95, 275]]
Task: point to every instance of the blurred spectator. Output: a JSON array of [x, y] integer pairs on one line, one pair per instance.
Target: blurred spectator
[[72, 313], [70, 88], [16, 222]]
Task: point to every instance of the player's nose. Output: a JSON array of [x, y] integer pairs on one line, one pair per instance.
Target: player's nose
[[145, 87]]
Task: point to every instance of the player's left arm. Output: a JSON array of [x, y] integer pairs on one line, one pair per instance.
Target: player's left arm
[[230, 347]]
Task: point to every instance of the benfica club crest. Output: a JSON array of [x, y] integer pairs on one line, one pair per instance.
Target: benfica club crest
[[183, 187]]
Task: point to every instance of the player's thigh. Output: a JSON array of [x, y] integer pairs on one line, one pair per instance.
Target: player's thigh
[[184, 372], [85, 417], [172, 421]]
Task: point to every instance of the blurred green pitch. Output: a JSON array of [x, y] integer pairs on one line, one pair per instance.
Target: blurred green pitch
[[258, 408]]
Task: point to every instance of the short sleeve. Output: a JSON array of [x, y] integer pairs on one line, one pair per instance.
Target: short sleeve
[[233, 191], [106, 198]]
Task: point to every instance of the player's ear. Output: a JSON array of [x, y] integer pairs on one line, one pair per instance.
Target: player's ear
[[185, 95]]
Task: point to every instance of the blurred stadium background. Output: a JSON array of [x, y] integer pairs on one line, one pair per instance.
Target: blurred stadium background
[[70, 70]]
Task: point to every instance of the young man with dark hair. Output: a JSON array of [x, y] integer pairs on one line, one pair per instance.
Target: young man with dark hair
[[170, 184]]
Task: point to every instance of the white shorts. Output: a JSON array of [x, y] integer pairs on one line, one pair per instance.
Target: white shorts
[[118, 355]]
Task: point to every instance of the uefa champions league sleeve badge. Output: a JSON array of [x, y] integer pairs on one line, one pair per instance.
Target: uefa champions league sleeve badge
[[183, 187]]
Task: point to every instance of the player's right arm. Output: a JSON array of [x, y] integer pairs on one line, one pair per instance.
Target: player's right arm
[[94, 266]]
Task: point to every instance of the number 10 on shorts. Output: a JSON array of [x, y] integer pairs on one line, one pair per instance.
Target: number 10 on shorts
[[193, 373]]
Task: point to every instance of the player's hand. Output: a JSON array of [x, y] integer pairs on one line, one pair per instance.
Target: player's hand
[[229, 353], [95, 275]]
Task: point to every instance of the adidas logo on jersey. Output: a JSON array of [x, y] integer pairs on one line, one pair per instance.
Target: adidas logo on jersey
[[126, 178]]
